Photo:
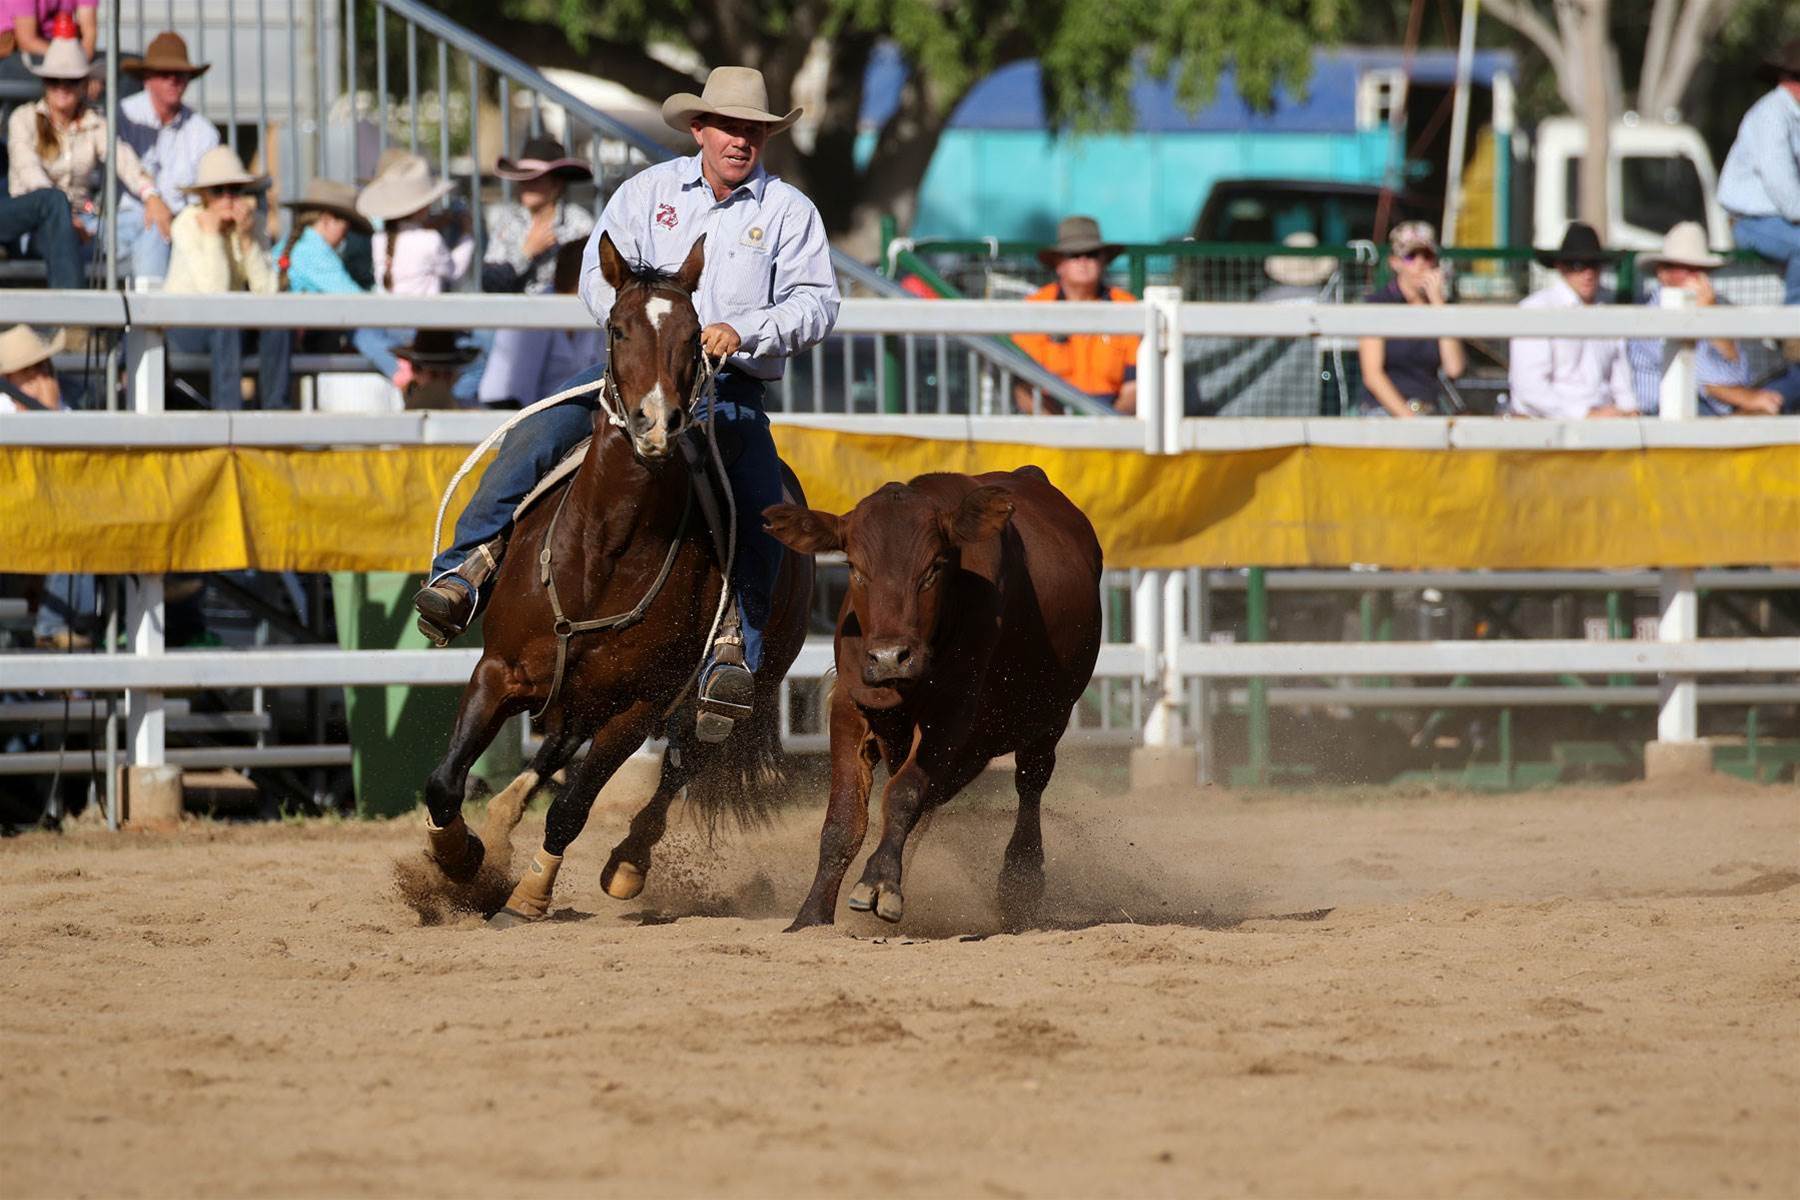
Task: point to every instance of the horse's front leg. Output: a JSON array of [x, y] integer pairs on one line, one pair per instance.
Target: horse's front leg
[[487, 702], [616, 741]]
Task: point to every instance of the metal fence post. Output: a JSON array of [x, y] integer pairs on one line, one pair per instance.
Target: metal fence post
[[145, 725], [1677, 748]]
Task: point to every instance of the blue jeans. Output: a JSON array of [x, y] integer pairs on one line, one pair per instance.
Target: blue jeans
[[143, 250], [377, 345], [1778, 241], [69, 602], [226, 347], [43, 217], [536, 445]]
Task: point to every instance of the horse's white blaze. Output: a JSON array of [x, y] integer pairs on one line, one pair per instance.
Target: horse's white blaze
[[655, 407], [656, 308]]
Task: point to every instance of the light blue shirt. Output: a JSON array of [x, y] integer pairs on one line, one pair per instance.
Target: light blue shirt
[[1649, 356], [768, 264], [1761, 177], [314, 266], [170, 153]]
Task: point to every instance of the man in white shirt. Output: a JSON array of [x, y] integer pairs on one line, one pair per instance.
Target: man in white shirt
[[1570, 378]]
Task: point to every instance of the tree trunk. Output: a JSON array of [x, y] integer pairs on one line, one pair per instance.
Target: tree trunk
[[1592, 62]]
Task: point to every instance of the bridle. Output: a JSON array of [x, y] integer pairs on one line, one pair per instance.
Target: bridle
[[612, 400]]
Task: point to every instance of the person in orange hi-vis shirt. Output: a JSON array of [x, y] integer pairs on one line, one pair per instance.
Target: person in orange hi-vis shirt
[[1102, 365]]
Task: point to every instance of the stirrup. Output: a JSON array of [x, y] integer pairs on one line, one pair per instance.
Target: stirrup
[[726, 695]]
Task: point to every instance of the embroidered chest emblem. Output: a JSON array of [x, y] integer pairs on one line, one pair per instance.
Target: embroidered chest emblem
[[756, 234], [665, 216]]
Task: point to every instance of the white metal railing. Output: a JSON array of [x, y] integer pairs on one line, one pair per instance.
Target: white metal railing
[[1166, 652]]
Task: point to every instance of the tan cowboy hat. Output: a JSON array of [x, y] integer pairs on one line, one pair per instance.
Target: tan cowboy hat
[[1078, 235], [221, 167], [730, 92], [1300, 270], [403, 189], [328, 195], [167, 52], [542, 156], [21, 347], [1683, 246], [64, 60]]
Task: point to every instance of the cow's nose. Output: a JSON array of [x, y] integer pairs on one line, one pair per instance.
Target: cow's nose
[[885, 664]]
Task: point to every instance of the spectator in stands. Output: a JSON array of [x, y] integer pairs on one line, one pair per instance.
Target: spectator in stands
[[60, 141], [416, 254], [1721, 369], [43, 218], [28, 383], [524, 237], [324, 218], [1760, 182], [436, 357], [35, 24], [170, 140], [522, 370], [1102, 365], [1400, 375], [216, 248], [1570, 378]]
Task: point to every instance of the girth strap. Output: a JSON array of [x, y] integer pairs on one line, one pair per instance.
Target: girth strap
[[563, 628]]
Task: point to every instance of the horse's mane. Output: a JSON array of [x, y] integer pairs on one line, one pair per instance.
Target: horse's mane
[[642, 274]]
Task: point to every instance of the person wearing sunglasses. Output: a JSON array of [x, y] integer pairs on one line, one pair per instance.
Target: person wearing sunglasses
[[1400, 375], [216, 248], [1102, 365]]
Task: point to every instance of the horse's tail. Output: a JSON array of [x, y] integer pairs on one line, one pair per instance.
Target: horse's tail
[[747, 779]]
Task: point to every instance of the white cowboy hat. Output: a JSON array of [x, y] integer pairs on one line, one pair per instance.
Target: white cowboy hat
[[1297, 270], [403, 189], [1683, 246], [21, 347], [737, 92], [221, 167], [64, 60]]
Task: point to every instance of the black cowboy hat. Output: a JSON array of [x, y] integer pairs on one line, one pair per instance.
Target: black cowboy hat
[[436, 348], [1580, 244], [1783, 64], [542, 156]]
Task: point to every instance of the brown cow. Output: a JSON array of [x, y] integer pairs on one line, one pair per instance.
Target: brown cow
[[969, 631]]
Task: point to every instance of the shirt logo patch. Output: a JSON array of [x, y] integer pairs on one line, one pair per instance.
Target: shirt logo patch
[[756, 233], [665, 216]]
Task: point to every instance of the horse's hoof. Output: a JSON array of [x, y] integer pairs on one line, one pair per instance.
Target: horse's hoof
[[506, 918], [861, 898], [458, 861], [622, 880]]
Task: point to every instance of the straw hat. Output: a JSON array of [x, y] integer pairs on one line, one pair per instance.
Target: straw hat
[[542, 156], [1078, 235], [167, 52], [64, 60], [403, 189], [328, 195], [1580, 244], [1683, 246], [221, 167], [737, 92], [21, 347], [436, 348], [1300, 270]]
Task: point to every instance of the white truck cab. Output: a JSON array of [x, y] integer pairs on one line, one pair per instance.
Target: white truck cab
[[1660, 174]]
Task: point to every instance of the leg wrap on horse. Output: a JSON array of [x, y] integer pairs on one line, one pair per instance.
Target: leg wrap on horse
[[531, 899], [455, 850]]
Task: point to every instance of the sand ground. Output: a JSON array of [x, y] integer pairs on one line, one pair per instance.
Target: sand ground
[[1573, 993]]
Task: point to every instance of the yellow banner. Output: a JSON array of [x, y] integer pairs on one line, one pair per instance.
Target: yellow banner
[[162, 510]]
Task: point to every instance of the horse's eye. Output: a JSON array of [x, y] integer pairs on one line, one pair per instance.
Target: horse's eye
[[931, 576], [857, 577]]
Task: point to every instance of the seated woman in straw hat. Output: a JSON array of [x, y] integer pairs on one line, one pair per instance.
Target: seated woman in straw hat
[[215, 247], [61, 141], [416, 253]]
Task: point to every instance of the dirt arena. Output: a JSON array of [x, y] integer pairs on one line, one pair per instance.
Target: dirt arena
[[1579, 993]]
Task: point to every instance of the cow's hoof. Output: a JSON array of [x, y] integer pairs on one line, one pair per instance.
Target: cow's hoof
[[881, 899], [506, 918], [622, 880], [805, 921], [862, 898]]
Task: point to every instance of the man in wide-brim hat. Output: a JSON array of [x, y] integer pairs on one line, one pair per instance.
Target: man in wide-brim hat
[[25, 366], [170, 139], [1722, 373], [768, 290], [1570, 378], [1759, 184], [1102, 365]]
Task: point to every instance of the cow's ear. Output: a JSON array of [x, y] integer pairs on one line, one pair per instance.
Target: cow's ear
[[981, 515], [612, 263], [688, 277], [804, 529]]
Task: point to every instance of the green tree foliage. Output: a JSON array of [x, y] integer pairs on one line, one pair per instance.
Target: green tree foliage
[[1089, 49]]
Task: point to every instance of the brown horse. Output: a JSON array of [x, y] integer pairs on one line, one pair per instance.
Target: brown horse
[[627, 529]]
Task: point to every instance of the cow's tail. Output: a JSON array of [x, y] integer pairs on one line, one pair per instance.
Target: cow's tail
[[744, 784]]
